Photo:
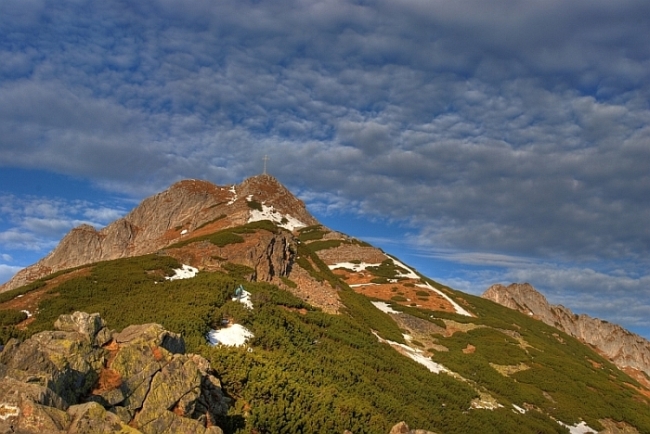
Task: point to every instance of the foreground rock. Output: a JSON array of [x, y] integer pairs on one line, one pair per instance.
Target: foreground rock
[[84, 378], [623, 348]]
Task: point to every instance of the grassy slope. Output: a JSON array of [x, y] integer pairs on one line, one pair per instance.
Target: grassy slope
[[314, 372]]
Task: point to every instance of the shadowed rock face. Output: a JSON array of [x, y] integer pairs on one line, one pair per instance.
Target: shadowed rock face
[[623, 348], [84, 378], [184, 209]]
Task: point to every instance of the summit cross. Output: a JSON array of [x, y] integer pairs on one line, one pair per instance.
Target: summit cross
[[266, 158]]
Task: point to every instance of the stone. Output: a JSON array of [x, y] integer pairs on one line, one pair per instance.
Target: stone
[[154, 333], [80, 322], [63, 382], [30, 408], [65, 362], [92, 418]]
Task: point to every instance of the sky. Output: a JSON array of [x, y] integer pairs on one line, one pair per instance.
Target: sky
[[480, 141]]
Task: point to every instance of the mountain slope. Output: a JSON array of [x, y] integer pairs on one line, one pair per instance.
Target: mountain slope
[[623, 348], [335, 334]]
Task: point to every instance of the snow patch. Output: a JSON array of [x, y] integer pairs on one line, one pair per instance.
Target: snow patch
[[416, 355], [28, 313], [459, 310], [352, 266], [185, 272], [184, 232], [519, 409], [384, 307], [234, 195], [233, 336], [244, 298], [581, 428], [269, 213], [410, 274]]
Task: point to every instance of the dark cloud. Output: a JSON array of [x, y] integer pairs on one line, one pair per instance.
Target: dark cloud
[[506, 128]]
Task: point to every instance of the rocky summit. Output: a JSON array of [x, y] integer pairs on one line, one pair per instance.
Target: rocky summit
[[187, 208], [232, 309]]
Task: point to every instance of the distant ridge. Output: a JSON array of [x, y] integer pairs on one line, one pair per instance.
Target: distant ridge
[[187, 208], [624, 348]]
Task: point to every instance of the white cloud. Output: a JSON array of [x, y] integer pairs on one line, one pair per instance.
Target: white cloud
[[7, 271]]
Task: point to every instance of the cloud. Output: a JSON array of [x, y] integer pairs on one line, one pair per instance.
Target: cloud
[[491, 130], [38, 223], [7, 271]]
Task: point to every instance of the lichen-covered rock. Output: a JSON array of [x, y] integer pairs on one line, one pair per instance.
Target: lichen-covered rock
[[30, 408], [65, 362], [403, 428], [80, 322], [151, 333], [103, 387], [177, 385], [92, 418]]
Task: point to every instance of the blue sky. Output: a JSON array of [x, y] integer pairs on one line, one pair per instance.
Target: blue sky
[[482, 142]]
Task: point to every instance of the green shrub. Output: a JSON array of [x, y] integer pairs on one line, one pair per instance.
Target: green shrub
[[311, 233], [10, 317], [253, 204], [324, 244]]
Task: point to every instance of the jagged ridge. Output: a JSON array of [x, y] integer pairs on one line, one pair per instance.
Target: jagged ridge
[[624, 348]]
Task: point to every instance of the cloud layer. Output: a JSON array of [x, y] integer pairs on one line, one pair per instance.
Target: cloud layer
[[511, 128]]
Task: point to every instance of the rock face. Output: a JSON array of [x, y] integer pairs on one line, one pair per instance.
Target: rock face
[[187, 208], [84, 378], [623, 348]]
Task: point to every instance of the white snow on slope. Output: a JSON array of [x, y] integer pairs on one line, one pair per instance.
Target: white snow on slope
[[185, 272], [581, 428], [234, 195], [384, 307], [269, 213], [28, 313], [352, 266], [410, 274], [233, 336], [519, 409], [416, 355], [245, 299], [459, 310]]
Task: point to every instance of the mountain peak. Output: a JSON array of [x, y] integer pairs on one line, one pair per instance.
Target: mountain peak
[[187, 208]]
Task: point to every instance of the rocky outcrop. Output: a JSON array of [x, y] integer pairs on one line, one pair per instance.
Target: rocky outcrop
[[403, 428], [187, 208], [623, 348], [84, 378]]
